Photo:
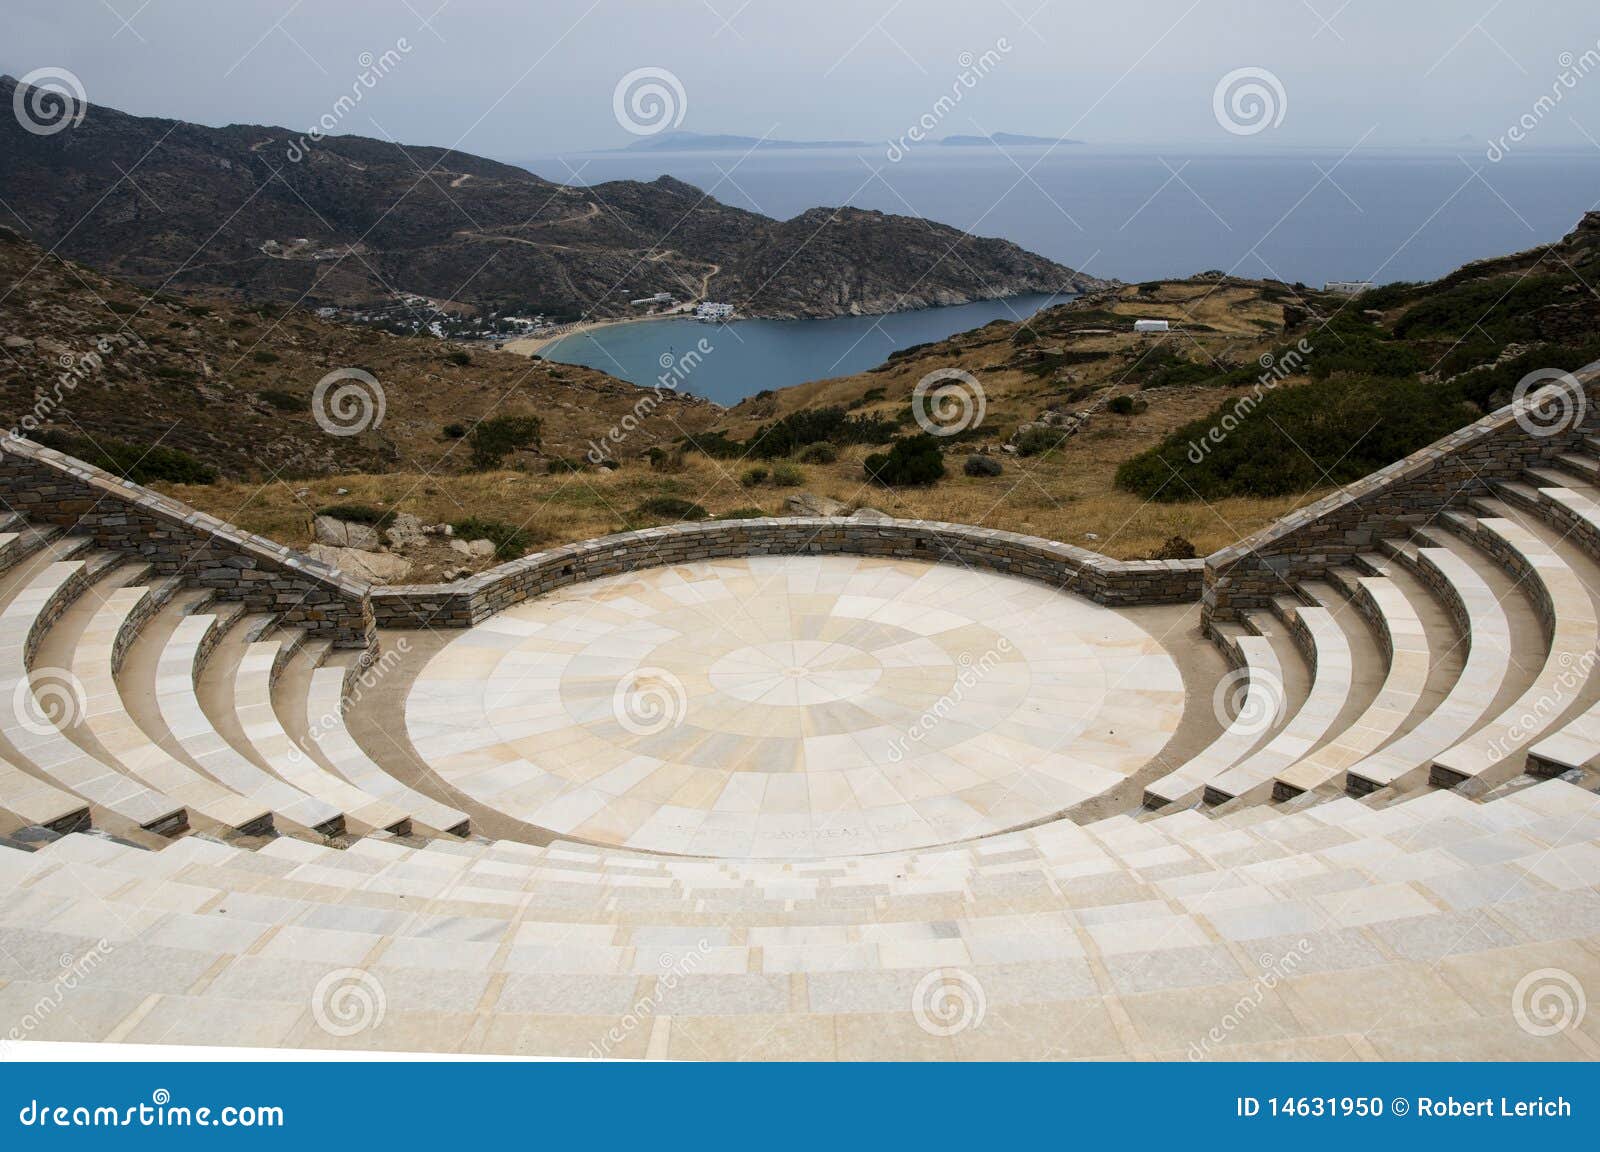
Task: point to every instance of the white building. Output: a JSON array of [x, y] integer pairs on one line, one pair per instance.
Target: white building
[[1348, 287], [658, 298], [713, 311], [1152, 326]]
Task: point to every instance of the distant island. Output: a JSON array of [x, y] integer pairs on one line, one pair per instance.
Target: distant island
[[723, 142], [1005, 139], [681, 141]]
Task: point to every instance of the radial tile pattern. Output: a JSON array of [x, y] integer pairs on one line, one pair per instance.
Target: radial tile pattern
[[794, 706]]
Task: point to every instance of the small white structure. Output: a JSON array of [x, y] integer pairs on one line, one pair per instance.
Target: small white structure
[[713, 311], [658, 298], [1348, 287], [1152, 326]]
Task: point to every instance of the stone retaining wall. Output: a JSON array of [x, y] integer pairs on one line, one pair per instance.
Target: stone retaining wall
[[1392, 501], [1111, 582], [48, 487]]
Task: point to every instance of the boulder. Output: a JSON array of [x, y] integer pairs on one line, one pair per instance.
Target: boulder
[[344, 534], [810, 504], [376, 567], [870, 514], [406, 531], [477, 549]]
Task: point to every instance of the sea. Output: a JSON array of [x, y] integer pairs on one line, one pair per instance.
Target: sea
[[1305, 214]]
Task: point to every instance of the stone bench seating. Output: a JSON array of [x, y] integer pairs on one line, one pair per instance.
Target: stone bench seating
[[1368, 918], [1263, 698], [286, 759], [1328, 652], [109, 723], [1410, 656], [1493, 754], [206, 748], [43, 746], [325, 720], [1486, 638]]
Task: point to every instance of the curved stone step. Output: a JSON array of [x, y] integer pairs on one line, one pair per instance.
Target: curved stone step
[[286, 759], [1486, 634], [325, 722], [1410, 656], [43, 746], [120, 736], [1260, 711], [186, 720], [1327, 651], [1491, 756]]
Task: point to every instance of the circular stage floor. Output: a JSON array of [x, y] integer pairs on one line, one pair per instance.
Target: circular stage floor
[[794, 706]]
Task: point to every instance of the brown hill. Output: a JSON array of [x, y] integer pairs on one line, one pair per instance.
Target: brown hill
[[266, 212]]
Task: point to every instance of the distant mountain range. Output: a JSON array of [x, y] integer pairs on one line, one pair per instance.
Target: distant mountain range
[[681, 141], [267, 212]]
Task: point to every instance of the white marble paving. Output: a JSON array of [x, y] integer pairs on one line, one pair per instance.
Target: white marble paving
[[794, 707]]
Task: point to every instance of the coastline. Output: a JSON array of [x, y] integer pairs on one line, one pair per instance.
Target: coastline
[[532, 345]]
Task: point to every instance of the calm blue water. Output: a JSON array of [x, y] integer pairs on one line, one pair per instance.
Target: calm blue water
[[738, 360], [1302, 214]]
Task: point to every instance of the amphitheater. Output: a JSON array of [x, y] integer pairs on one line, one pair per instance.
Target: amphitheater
[[819, 788]]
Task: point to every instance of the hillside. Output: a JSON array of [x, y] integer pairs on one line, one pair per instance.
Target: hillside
[[266, 213]]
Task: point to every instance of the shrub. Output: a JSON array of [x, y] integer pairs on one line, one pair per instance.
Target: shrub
[[509, 541], [753, 476], [811, 426], [137, 462], [379, 518], [716, 445], [819, 453], [1024, 335], [1176, 548], [454, 431], [671, 508], [742, 514], [559, 464], [664, 460], [1121, 405], [1296, 439], [982, 466], [458, 358], [787, 476], [914, 461], [495, 437], [1039, 440], [281, 400], [263, 356]]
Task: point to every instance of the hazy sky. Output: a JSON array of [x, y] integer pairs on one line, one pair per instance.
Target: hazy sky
[[516, 80]]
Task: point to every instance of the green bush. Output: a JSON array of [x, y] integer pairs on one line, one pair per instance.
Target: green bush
[[454, 431], [819, 453], [753, 476], [811, 426], [1024, 335], [492, 439], [671, 508], [510, 541], [559, 464], [1121, 405], [281, 400], [1296, 439], [263, 356], [742, 514], [911, 462], [458, 358], [379, 518], [787, 476], [137, 462], [1038, 441]]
